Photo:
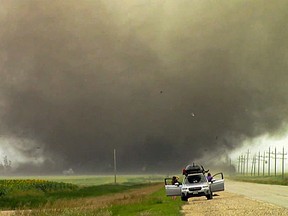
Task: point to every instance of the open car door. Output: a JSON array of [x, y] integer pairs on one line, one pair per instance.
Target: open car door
[[172, 190], [217, 183]]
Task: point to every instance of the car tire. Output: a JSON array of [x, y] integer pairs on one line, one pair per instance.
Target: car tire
[[184, 198]]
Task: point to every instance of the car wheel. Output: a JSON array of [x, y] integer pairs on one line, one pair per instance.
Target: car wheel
[[184, 198]]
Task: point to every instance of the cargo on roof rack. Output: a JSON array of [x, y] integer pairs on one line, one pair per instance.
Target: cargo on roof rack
[[194, 168]]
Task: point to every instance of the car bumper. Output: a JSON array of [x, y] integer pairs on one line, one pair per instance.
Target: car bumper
[[196, 193]]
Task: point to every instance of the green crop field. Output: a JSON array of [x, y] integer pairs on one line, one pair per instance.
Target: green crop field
[[99, 180], [89, 180], [73, 195]]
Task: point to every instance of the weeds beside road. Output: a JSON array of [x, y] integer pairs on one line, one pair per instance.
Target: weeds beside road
[[275, 180]]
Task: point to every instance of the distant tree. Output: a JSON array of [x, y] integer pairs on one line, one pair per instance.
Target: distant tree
[[68, 172], [6, 165], [1, 168]]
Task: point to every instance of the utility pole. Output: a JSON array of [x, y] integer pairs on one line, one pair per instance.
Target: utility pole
[[115, 169], [252, 166], [264, 160], [258, 163], [247, 161], [269, 156], [275, 155], [283, 158], [238, 167], [255, 159], [243, 164], [283, 163]]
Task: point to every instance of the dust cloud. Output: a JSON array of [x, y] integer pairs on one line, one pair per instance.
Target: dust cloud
[[162, 82]]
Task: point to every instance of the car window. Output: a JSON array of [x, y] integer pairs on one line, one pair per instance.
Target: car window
[[195, 179]]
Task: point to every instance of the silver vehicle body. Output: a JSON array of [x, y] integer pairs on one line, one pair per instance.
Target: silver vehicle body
[[195, 185]]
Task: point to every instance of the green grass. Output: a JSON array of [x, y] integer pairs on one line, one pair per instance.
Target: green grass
[[276, 180], [156, 204], [98, 190], [40, 201], [29, 197]]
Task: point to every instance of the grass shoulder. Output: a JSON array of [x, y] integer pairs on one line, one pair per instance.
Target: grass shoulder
[[275, 180], [156, 204]]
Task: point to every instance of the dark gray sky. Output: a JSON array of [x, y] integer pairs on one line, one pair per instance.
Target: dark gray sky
[[163, 82]]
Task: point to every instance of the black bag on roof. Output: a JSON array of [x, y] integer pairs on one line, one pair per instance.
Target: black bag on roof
[[194, 168]]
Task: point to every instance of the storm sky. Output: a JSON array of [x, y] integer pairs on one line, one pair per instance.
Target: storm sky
[[163, 82]]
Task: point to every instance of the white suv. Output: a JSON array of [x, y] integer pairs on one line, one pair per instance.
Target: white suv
[[195, 185]]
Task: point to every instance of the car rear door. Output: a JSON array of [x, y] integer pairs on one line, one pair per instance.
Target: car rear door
[[217, 183], [172, 190]]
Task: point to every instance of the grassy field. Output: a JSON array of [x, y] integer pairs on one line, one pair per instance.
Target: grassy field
[[155, 204], [89, 180], [277, 180], [33, 196], [74, 195]]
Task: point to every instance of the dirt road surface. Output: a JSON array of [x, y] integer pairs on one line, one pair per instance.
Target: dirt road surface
[[242, 199], [275, 194]]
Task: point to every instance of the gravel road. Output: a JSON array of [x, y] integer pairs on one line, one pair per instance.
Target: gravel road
[[241, 199], [275, 194]]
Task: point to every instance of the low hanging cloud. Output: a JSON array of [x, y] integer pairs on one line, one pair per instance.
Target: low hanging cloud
[[163, 82]]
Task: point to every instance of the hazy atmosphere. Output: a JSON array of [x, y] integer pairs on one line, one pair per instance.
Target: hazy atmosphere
[[164, 82]]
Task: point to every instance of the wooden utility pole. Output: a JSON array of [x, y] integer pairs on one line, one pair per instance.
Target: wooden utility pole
[[115, 168], [264, 160], [252, 166], [243, 164], [258, 163], [247, 162], [275, 155], [238, 167], [269, 156], [283, 158], [255, 159]]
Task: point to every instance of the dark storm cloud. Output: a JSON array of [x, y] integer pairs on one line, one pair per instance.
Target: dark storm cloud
[[164, 83]]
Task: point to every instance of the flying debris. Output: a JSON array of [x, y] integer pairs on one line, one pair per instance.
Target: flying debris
[[97, 81]]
